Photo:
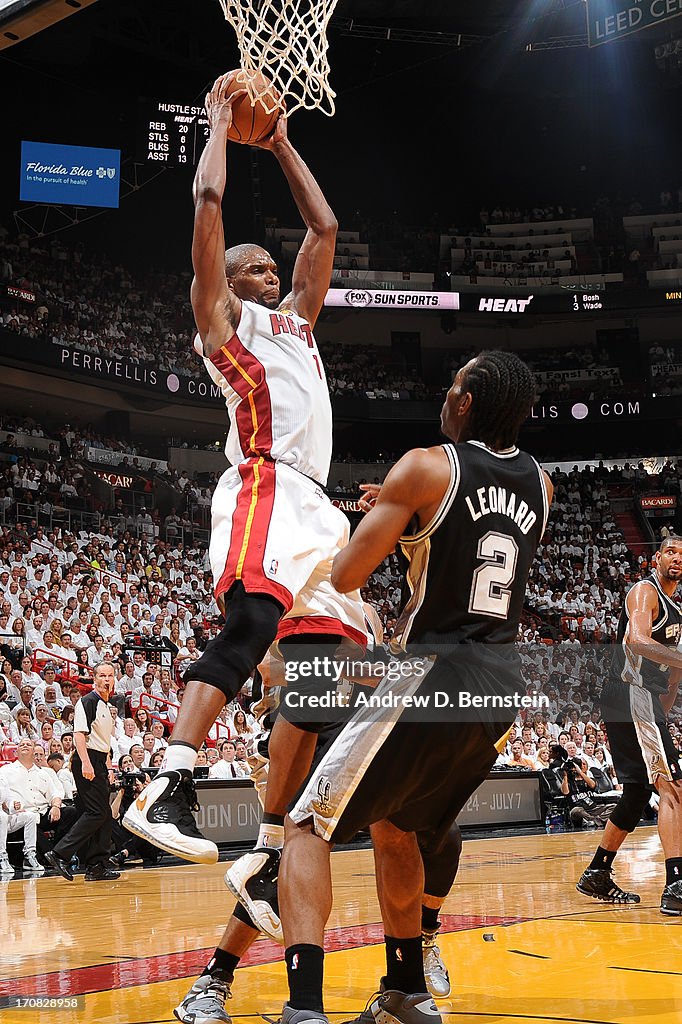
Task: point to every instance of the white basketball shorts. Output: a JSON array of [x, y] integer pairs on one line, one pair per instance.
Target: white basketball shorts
[[277, 531]]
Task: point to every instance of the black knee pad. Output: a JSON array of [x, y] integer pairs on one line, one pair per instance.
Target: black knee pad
[[629, 809], [440, 855], [298, 647], [251, 622]]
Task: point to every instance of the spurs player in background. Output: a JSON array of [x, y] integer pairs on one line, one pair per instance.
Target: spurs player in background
[[644, 678], [274, 532]]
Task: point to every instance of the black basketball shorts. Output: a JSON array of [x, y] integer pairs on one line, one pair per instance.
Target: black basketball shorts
[[641, 745], [417, 774]]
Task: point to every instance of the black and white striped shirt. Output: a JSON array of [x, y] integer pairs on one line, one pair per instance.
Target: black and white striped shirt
[[93, 717]]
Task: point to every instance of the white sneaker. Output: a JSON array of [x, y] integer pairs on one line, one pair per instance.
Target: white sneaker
[[32, 864], [435, 971], [253, 880], [162, 814], [205, 1002], [5, 866]]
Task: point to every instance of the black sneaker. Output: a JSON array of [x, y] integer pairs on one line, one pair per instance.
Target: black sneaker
[[671, 899], [393, 1007], [118, 859], [162, 814], [597, 883], [59, 865], [101, 873], [253, 880]]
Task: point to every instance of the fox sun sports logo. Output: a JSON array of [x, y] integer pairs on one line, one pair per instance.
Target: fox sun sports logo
[[359, 298]]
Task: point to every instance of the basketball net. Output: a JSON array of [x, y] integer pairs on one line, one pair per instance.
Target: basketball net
[[287, 42]]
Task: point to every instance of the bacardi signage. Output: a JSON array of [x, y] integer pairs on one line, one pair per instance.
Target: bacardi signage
[[659, 501]]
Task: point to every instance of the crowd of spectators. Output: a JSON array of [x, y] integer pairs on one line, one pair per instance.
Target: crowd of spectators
[[51, 484], [506, 214], [358, 372], [83, 300]]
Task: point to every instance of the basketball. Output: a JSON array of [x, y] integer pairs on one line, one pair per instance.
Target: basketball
[[251, 123]]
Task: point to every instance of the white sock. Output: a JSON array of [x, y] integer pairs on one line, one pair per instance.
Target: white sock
[[178, 756], [271, 836]]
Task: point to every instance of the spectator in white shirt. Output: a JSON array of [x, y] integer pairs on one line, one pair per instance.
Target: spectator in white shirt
[[242, 754], [140, 665], [49, 649], [28, 675], [167, 707], [128, 681], [55, 762], [143, 696], [589, 624], [23, 726], [149, 745], [13, 818], [35, 789], [227, 767], [187, 654], [65, 723], [130, 735], [158, 732], [79, 638]]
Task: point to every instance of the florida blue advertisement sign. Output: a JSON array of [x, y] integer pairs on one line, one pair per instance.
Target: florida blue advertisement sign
[[71, 175]]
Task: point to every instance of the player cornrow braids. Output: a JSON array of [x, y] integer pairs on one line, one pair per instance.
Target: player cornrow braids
[[503, 391]]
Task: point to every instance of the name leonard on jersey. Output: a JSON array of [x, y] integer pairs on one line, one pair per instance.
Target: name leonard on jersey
[[496, 499]]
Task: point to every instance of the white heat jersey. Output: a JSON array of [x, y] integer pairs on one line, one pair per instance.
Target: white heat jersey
[[271, 375]]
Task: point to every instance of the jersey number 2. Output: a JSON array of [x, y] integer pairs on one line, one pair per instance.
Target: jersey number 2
[[490, 587]]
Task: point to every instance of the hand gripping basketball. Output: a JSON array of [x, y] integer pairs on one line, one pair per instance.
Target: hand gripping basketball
[[220, 100], [251, 102]]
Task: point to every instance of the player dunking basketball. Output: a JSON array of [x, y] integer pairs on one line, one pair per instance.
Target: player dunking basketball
[[480, 507], [274, 531]]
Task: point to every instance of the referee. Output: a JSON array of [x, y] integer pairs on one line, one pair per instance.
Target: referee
[[91, 764]]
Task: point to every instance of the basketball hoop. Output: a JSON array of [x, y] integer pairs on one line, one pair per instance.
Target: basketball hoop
[[287, 42]]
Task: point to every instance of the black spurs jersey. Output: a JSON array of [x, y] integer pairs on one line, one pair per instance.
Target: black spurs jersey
[[628, 667], [468, 568]]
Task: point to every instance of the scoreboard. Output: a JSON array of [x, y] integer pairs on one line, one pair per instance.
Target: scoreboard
[[171, 133]]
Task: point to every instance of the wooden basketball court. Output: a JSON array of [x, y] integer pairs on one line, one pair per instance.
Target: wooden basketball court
[[520, 943]]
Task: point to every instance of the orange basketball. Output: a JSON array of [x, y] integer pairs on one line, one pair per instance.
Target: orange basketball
[[251, 123]]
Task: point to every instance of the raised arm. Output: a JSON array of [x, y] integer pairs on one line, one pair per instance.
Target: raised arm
[[213, 304], [313, 267]]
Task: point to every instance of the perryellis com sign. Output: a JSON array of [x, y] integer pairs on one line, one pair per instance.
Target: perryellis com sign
[[614, 19], [70, 175], [107, 371]]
